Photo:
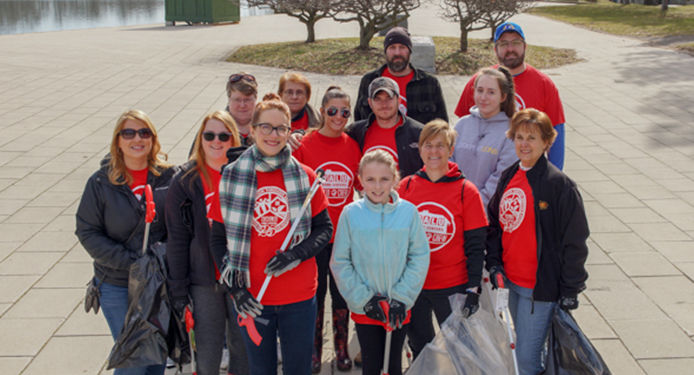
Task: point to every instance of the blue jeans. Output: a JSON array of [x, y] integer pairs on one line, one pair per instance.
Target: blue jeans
[[295, 324], [531, 320], [114, 304]]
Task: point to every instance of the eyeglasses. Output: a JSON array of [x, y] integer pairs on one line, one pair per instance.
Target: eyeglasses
[[515, 43], [144, 133], [332, 111], [237, 77], [430, 147], [209, 136], [291, 92], [267, 129]]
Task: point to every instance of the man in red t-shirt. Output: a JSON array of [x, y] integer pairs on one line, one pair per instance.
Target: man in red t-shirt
[[534, 89], [420, 93]]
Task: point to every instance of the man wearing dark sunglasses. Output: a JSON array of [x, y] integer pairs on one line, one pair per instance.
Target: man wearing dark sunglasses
[[420, 92]]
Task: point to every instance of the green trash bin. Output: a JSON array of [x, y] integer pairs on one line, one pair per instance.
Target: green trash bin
[[202, 11]]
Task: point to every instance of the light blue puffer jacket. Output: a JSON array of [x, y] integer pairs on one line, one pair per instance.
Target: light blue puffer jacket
[[380, 249]]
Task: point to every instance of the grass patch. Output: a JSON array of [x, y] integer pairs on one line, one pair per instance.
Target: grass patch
[[686, 47], [340, 56], [630, 20]]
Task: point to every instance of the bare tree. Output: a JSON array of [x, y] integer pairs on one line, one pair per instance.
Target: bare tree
[[307, 11], [468, 14], [499, 11], [373, 15], [664, 6]]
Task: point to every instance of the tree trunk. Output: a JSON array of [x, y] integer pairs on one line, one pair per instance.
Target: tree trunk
[[463, 39], [664, 6], [311, 28], [366, 33], [493, 26]]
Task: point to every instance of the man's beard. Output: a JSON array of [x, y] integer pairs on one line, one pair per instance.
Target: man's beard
[[397, 64], [512, 62]]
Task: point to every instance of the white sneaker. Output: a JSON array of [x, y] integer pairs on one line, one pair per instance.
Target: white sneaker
[[225, 359], [170, 363]]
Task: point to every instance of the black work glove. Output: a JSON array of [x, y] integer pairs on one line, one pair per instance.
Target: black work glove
[[179, 305], [282, 262], [234, 153], [567, 303], [244, 303], [397, 313], [373, 309], [472, 302], [493, 272]]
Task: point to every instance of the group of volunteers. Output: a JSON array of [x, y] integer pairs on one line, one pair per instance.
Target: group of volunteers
[[435, 204]]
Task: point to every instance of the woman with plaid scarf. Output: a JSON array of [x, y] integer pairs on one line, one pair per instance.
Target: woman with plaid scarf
[[260, 195]]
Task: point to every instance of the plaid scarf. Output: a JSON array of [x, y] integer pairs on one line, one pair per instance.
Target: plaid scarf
[[237, 190]]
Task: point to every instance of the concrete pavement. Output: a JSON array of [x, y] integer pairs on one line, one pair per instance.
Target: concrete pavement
[[629, 147]]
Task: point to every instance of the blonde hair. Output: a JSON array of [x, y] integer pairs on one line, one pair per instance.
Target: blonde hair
[[117, 172], [199, 152], [380, 156], [437, 127]]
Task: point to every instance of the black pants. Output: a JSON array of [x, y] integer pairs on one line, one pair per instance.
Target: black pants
[[421, 327], [323, 263], [372, 340]]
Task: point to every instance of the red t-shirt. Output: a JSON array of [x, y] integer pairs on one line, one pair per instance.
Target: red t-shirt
[[301, 122], [139, 182], [211, 191], [402, 86], [339, 158], [534, 89], [519, 241], [363, 319], [381, 138], [445, 218]]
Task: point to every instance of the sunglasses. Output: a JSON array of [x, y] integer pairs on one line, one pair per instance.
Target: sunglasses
[[237, 77], [209, 136], [267, 129], [144, 133], [332, 111]]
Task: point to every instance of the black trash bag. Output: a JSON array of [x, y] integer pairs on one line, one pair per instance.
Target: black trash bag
[[177, 341], [143, 340], [569, 350]]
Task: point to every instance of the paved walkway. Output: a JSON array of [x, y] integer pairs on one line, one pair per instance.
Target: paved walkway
[[629, 141]]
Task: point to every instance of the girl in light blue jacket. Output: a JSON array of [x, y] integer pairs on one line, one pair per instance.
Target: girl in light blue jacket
[[381, 253]]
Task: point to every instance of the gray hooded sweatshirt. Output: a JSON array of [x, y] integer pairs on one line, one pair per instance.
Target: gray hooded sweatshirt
[[482, 150]]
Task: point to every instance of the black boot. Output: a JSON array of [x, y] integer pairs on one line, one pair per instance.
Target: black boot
[[317, 343], [341, 336]]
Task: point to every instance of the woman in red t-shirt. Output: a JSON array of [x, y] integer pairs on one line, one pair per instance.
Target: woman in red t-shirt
[[192, 273], [260, 195], [333, 151], [295, 90], [456, 226]]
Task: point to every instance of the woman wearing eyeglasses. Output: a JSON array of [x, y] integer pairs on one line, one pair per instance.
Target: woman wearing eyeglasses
[[295, 90], [192, 270], [111, 215], [333, 151], [242, 91], [260, 197]]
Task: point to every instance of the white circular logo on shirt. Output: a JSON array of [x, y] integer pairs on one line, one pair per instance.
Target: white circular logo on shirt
[[138, 191], [338, 182], [520, 103], [384, 148], [512, 209], [271, 214], [438, 224]]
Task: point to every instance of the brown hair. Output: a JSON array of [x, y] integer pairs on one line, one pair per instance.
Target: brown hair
[[296, 78], [529, 117], [244, 86], [271, 101], [199, 153], [505, 81], [117, 171], [380, 156], [437, 127]]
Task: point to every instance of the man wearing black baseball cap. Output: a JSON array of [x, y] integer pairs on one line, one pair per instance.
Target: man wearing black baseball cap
[[386, 128], [534, 89], [420, 93]]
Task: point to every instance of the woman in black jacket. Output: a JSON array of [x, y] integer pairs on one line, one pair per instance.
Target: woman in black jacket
[[537, 236], [192, 270], [111, 215]]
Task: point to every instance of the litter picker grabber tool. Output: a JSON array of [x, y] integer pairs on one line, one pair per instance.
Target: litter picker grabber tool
[[502, 307], [190, 328], [151, 212], [389, 337], [248, 322]]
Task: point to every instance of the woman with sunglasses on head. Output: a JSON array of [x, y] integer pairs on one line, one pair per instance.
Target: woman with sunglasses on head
[[333, 151], [295, 90], [242, 91], [192, 271], [111, 215], [261, 194]]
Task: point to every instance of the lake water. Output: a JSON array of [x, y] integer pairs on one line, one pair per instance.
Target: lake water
[[28, 16]]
